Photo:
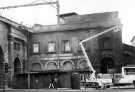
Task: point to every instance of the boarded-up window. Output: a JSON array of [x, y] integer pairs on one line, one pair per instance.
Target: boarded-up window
[[68, 65], [51, 66], [17, 46], [83, 64], [36, 67], [67, 46], [84, 45], [51, 47], [36, 48], [107, 44], [75, 44]]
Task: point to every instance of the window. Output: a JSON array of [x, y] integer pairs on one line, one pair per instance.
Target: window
[[129, 71], [17, 66], [36, 67], [67, 45], [36, 47], [17, 46], [51, 47], [84, 45], [106, 43]]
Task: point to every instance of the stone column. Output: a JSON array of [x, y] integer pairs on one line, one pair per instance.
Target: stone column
[[11, 59]]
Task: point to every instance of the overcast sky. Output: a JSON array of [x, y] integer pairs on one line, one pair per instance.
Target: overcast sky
[[46, 14]]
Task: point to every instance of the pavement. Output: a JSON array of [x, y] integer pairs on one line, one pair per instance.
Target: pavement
[[112, 89], [52, 90]]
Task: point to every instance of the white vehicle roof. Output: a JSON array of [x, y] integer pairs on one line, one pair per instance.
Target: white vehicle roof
[[129, 66]]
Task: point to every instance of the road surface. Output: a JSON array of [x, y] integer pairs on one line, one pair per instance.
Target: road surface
[[69, 90]]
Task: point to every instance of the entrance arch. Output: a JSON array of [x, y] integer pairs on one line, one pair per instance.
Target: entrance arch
[[1, 67], [106, 63], [1, 60], [17, 66]]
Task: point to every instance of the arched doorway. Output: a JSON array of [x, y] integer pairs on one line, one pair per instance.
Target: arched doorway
[[106, 63], [1, 60], [1, 67], [17, 66]]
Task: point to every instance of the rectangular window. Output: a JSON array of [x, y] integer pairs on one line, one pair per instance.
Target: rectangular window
[[36, 47], [67, 45], [17, 46], [51, 47], [84, 45], [129, 71]]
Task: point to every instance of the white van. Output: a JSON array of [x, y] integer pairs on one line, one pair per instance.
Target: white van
[[127, 76]]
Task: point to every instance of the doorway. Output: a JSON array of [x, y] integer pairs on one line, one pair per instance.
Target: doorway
[[1, 67], [106, 63], [1, 60], [17, 66]]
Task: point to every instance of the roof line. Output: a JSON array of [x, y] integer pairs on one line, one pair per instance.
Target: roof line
[[14, 24]]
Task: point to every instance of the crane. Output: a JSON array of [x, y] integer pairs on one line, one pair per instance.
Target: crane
[[37, 4], [92, 76]]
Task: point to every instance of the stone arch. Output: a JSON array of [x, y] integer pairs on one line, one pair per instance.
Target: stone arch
[[1, 60], [1, 55], [1, 66], [36, 66], [17, 65], [68, 65], [51, 65], [107, 63], [82, 64]]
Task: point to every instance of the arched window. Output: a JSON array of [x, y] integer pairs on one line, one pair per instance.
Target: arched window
[[36, 67], [17, 66], [107, 63], [106, 43], [51, 66], [67, 65], [83, 64]]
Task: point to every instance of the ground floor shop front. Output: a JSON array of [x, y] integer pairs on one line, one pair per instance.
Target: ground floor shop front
[[50, 79]]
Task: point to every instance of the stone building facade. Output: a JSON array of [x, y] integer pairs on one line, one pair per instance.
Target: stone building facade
[[57, 46], [13, 48]]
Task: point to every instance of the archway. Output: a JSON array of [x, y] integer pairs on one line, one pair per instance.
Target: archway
[[1, 67], [36, 67], [17, 66], [1, 60], [106, 63], [67, 65]]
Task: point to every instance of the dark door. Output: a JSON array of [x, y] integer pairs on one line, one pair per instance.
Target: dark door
[[1, 68], [106, 64]]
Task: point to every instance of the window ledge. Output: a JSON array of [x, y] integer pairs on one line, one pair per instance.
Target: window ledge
[[50, 52]]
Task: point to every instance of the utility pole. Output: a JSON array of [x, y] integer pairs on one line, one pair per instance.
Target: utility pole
[[58, 12], [37, 4]]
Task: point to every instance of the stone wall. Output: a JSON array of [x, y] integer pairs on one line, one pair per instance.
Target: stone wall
[[93, 47]]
